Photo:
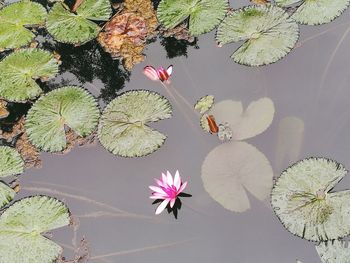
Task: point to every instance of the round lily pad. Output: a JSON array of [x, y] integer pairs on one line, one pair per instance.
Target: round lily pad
[[316, 12], [14, 19], [303, 201], [204, 104], [20, 69], [77, 27], [50, 116], [6, 194], [268, 33], [22, 224], [204, 15], [123, 127], [231, 169], [11, 162], [333, 251]]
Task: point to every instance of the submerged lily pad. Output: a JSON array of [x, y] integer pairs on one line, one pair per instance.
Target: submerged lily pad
[[302, 200], [11, 162], [316, 12], [22, 224], [204, 15], [6, 194], [19, 71], [68, 107], [231, 169], [77, 28], [334, 252], [204, 104], [123, 126], [14, 19], [268, 31]]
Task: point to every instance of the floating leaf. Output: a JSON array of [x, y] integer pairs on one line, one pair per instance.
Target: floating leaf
[[334, 252], [204, 15], [123, 126], [6, 194], [14, 19], [68, 27], [204, 104], [302, 200], [19, 71], [47, 121], [22, 224], [3, 109], [233, 168], [11, 162], [244, 124], [316, 12], [268, 32]]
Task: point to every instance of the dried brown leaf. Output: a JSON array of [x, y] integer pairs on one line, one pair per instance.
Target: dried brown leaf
[[3, 109]]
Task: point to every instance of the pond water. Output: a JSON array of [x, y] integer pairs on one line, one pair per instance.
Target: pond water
[[311, 85]]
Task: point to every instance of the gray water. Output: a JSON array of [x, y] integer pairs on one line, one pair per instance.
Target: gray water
[[311, 84]]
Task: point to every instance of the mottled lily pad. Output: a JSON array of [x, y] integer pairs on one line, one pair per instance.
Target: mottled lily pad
[[268, 33], [204, 104], [124, 129], [6, 194], [11, 162], [14, 19], [303, 201], [22, 224], [204, 15], [231, 169], [334, 252], [21, 69], [77, 27], [316, 12], [68, 107]]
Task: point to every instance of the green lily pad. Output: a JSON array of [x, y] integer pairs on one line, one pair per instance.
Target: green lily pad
[[6, 194], [204, 15], [14, 19], [316, 12], [49, 117], [22, 224], [231, 170], [204, 104], [78, 28], [268, 32], [334, 252], [20, 69], [123, 126], [303, 201], [11, 162]]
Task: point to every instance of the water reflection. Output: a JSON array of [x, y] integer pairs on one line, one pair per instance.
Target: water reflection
[[177, 47]]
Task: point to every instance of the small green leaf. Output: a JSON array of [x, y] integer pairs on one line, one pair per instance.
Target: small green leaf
[[204, 15], [267, 31], [22, 224], [14, 19], [6, 194], [68, 27], [316, 12], [123, 126], [204, 104], [11, 162], [334, 252], [302, 200], [20, 69], [68, 106]]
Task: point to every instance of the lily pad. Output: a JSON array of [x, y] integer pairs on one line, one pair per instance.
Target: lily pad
[[50, 116], [244, 124], [11, 162], [316, 12], [303, 201], [20, 69], [334, 252], [204, 104], [6, 194], [78, 27], [231, 169], [14, 19], [268, 33], [123, 128], [22, 224], [204, 15]]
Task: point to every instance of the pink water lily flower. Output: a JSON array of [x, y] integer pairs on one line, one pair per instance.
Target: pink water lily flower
[[167, 190]]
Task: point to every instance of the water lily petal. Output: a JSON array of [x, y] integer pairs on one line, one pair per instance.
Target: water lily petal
[[164, 179], [157, 197], [157, 189], [151, 73], [162, 206], [160, 183], [183, 186], [177, 180], [170, 181], [172, 202]]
